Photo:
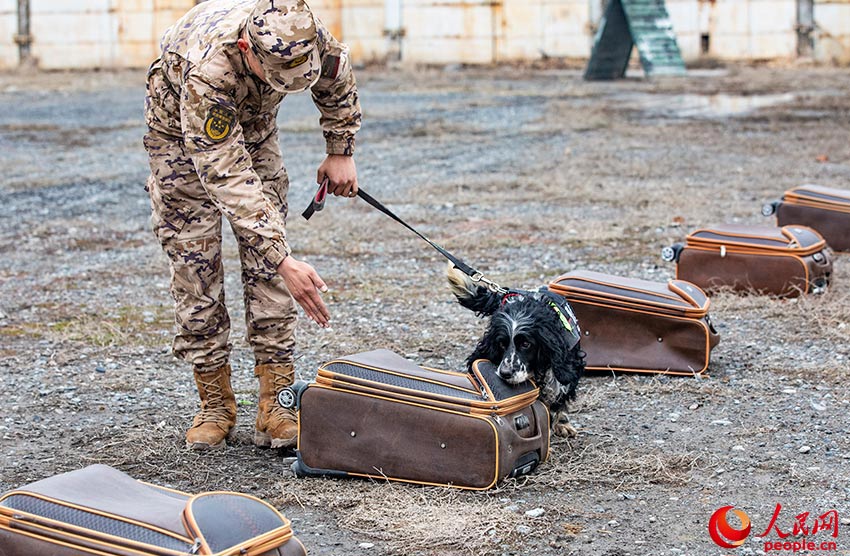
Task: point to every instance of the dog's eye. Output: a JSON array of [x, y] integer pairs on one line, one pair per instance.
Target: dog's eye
[[524, 344]]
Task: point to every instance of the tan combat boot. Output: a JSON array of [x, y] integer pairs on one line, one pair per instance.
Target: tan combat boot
[[217, 418], [277, 427]]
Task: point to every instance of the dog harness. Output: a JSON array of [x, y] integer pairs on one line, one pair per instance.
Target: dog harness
[[557, 303]]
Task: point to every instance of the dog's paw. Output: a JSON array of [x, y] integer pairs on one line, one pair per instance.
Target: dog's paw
[[564, 430]]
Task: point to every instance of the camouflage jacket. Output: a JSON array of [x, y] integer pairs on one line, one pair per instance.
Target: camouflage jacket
[[210, 100]]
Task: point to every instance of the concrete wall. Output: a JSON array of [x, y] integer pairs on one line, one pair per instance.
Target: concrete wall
[[71, 34], [832, 37], [464, 31], [754, 29], [125, 33], [79, 34], [758, 29], [8, 29], [534, 28]]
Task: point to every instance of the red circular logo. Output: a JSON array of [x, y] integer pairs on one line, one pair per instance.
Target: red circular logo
[[722, 533]]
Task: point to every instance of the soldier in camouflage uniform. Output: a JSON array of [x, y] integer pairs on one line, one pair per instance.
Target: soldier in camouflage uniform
[[212, 141]]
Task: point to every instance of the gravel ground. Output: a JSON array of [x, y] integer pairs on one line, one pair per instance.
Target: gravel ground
[[526, 173]]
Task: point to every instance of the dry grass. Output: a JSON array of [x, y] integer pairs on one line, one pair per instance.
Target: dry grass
[[608, 462], [825, 317], [416, 520], [596, 394], [124, 325], [427, 520]]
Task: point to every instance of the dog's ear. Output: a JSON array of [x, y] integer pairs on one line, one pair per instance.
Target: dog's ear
[[474, 297], [567, 363], [568, 368]]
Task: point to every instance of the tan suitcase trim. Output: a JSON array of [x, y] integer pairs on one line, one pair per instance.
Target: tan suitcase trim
[[471, 390], [507, 405], [432, 408], [591, 296], [710, 244], [572, 292], [698, 322], [822, 205], [798, 258], [483, 407], [69, 531], [807, 195], [256, 546], [61, 533], [395, 393]]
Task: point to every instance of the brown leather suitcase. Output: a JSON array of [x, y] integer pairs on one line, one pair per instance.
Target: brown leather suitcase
[[100, 510], [376, 414], [824, 209], [638, 325], [787, 261]]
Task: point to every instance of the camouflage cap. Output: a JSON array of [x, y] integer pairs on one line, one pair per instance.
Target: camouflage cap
[[284, 38]]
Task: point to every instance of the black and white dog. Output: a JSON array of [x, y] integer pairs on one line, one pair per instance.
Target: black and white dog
[[531, 335]]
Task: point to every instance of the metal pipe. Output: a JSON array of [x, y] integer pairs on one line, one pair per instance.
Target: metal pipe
[[23, 38], [805, 28]]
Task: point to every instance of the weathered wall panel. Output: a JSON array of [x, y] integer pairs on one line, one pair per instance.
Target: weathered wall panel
[[8, 29], [330, 12], [832, 38], [363, 26], [125, 33], [531, 29], [80, 34], [448, 31], [73, 34], [565, 27], [687, 17]]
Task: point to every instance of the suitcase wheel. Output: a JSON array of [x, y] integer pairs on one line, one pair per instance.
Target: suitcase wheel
[[671, 254], [288, 397], [819, 286], [769, 209]]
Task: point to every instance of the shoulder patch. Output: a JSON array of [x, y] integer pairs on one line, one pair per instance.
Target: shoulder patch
[[219, 123], [330, 66]]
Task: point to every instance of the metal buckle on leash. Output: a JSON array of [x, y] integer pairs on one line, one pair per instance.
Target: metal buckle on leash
[[492, 286], [318, 202]]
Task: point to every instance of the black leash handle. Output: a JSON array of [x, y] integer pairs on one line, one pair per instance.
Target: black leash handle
[[476, 276], [318, 202]]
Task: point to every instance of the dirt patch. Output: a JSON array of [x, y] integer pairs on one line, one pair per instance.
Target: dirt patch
[[527, 174]]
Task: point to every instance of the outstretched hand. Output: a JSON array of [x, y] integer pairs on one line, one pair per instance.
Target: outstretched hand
[[304, 283], [341, 173]]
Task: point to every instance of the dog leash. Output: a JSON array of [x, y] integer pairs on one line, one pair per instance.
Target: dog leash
[[318, 203]]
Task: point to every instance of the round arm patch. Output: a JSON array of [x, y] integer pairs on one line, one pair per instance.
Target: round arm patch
[[219, 123]]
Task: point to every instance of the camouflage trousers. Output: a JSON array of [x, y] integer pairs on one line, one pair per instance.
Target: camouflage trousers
[[188, 226]]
